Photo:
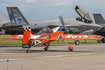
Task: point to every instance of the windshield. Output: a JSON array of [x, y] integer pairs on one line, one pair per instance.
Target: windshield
[[45, 31]]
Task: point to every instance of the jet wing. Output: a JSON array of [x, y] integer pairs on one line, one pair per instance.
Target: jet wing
[[11, 26]]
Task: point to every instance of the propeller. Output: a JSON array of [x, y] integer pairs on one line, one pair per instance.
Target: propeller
[[61, 19], [64, 27]]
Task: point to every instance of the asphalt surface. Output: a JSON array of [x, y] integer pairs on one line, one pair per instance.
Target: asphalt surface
[[58, 57]]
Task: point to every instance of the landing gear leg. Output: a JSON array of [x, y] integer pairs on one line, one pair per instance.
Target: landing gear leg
[[28, 48], [71, 48], [46, 47]]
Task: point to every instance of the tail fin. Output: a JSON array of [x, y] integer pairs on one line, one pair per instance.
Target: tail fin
[[4, 20], [16, 16], [99, 19]]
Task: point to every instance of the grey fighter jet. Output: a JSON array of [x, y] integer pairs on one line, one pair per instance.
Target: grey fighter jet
[[100, 20], [81, 25]]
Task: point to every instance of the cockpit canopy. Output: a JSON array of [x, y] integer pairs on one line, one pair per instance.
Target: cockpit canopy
[[85, 17], [45, 31]]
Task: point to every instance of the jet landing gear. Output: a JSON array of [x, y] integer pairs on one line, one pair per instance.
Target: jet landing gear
[[77, 42], [103, 40], [71, 48]]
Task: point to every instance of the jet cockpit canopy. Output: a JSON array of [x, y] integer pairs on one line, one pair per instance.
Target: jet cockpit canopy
[[85, 17]]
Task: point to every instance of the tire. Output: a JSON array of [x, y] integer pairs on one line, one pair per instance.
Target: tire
[[77, 42], [71, 48], [46, 48], [103, 40]]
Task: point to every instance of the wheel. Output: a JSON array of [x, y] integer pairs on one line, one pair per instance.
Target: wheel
[[71, 48], [103, 40], [77, 42], [46, 48]]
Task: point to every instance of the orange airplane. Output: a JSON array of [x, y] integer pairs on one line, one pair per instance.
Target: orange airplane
[[46, 35]]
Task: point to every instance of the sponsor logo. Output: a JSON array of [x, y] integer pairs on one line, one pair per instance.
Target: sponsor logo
[[79, 36], [19, 36]]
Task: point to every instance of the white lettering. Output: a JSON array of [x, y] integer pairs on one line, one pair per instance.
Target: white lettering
[[85, 36], [19, 36], [74, 36], [79, 36], [69, 36]]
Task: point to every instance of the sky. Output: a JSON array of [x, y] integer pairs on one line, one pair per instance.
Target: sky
[[51, 9]]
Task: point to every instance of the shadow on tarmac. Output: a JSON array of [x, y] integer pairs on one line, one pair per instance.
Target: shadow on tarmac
[[38, 51]]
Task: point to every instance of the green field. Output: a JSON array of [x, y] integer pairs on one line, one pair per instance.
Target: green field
[[6, 41]]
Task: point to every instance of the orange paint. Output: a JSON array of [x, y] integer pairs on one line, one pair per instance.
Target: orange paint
[[26, 36]]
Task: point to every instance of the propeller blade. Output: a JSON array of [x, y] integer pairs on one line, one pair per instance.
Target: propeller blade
[[61, 19]]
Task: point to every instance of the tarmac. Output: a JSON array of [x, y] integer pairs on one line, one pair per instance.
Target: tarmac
[[58, 57]]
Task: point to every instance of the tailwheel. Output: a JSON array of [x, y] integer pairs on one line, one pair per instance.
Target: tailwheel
[[46, 48], [27, 50], [71, 48]]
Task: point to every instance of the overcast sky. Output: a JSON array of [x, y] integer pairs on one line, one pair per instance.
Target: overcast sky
[[51, 9]]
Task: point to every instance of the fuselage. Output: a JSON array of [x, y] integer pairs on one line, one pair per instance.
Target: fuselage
[[77, 27]]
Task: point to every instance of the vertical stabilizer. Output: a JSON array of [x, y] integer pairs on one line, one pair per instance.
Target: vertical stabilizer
[[3, 19], [99, 19], [16, 16]]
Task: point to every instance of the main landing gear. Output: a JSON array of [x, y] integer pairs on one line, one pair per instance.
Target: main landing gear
[[77, 42], [103, 40], [71, 48], [46, 48]]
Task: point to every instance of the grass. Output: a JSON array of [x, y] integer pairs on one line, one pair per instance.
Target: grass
[[73, 41], [6, 41]]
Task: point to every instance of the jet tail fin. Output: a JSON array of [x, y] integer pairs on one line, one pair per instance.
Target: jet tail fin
[[99, 19], [16, 16], [4, 20]]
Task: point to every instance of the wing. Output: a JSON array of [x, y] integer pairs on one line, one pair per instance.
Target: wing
[[79, 37]]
